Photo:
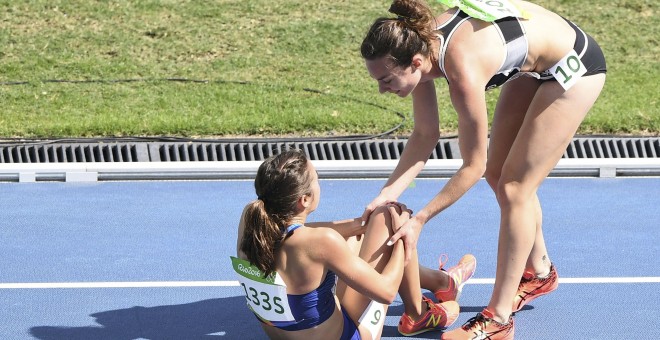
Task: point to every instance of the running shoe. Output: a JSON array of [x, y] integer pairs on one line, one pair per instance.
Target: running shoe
[[458, 275], [531, 287], [438, 316], [481, 327]]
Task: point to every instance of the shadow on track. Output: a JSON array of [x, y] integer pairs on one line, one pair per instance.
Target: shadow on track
[[206, 319]]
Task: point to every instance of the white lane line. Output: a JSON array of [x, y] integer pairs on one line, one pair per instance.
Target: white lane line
[[144, 284], [176, 284], [588, 280]]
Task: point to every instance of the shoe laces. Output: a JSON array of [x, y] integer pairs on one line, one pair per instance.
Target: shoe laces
[[432, 307], [473, 321], [443, 260], [479, 323]]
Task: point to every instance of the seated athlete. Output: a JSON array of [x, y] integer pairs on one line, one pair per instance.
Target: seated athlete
[[290, 268]]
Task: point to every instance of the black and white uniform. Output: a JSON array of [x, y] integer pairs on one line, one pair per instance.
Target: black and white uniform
[[513, 36]]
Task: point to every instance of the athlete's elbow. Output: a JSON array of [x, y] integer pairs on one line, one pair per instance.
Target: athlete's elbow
[[480, 170], [475, 169], [390, 291], [426, 133], [388, 297], [387, 292]]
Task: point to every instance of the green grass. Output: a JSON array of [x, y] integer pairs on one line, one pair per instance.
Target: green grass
[[280, 48]]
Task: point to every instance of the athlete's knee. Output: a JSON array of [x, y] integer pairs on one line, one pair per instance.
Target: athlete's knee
[[380, 219], [511, 193], [492, 176]]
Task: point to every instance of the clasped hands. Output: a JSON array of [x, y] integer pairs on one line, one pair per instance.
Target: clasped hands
[[404, 225]]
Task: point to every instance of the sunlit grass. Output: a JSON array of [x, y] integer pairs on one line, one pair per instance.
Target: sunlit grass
[[260, 59]]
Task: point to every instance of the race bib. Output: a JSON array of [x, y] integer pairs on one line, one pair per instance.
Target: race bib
[[487, 10], [568, 70], [266, 296], [373, 317]]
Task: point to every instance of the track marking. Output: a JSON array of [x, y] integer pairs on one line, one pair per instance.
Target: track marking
[[139, 284], [183, 284], [587, 280]]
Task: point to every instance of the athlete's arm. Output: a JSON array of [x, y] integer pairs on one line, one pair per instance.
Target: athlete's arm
[[331, 249], [420, 144], [345, 228], [423, 139], [466, 89], [467, 80]]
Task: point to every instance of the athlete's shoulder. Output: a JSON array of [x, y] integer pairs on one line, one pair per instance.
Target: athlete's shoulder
[[319, 243], [319, 234]]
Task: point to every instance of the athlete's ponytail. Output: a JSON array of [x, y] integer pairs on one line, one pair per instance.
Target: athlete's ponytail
[[261, 236], [400, 38], [281, 180]]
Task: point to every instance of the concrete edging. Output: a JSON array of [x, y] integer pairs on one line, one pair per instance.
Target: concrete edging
[[86, 172]]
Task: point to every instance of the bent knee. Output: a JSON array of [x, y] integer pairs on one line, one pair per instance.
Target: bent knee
[[492, 177], [381, 213], [380, 219], [510, 193]]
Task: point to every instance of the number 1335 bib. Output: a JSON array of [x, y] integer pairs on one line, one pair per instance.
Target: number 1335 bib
[[266, 296]]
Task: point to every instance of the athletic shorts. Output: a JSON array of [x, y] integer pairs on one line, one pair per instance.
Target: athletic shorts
[[590, 54], [350, 331]]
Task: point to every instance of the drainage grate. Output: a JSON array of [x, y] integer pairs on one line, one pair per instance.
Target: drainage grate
[[73, 153], [382, 149], [613, 148], [336, 150]]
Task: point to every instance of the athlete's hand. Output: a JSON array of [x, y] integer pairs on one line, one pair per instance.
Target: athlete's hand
[[399, 215], [378, 201], [409, 233]]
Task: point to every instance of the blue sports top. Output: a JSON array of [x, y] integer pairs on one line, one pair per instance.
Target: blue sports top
[[309, 309]]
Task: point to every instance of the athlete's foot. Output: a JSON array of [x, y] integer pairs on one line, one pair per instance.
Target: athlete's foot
[[437, 316], [458, 276], [532, 286], [481, 327]]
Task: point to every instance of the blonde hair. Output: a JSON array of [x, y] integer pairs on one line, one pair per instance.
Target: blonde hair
[[400, 38]]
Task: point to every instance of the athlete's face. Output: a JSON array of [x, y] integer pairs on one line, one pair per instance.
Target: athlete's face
[[399, 80], [315, 186]]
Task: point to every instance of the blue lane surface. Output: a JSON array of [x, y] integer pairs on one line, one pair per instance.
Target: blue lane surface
[[185, 231]]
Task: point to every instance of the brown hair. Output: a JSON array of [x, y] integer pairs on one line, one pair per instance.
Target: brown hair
[[402, 37], [281, 180]]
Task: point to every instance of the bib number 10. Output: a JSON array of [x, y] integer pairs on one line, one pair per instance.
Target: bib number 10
[[569, 70]]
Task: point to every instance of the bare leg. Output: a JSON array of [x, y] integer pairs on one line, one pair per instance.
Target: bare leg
[[515, 99], [539, 260], [549, 125], [433, 279], [374, 250], [410, 291]]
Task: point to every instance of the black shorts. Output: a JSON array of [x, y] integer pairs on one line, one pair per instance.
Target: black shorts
[[589, 51]]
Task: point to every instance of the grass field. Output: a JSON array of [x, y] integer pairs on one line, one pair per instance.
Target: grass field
[[259, 60]]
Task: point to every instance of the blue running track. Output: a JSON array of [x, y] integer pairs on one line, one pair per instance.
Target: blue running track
[[150, 260]]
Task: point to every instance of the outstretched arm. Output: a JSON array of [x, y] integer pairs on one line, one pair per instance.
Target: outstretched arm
[[418, 148], [468, 97], [469, 100]]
